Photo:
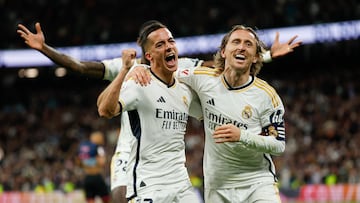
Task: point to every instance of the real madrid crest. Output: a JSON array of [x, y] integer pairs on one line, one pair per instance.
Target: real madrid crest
[[247, 112]]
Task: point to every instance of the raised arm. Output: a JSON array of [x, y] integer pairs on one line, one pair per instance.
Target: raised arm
[[107, 102], [281, 49], [37, 41]]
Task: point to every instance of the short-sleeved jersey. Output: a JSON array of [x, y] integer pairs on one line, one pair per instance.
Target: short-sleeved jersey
[[255, 108], [158, 116], [112, 67], [126, 139]]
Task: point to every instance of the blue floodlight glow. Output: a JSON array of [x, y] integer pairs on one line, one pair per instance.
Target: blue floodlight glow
[[203, 44]]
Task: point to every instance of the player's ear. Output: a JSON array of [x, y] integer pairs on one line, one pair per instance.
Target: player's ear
[[148, 56], [222, 52], [255, 59]]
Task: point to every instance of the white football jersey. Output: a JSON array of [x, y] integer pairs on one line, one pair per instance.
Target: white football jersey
[[256, 109], [158, 116], [112, 67], [125, 138]]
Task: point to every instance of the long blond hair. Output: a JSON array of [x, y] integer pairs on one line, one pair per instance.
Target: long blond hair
[[260, 49]]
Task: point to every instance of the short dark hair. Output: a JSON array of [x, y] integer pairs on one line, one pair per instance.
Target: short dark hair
[[145, 29]]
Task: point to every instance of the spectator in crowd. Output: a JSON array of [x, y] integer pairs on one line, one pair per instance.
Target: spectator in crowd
[[92, 159]]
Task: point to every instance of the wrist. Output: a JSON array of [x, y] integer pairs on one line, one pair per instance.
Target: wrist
[[267, 56]]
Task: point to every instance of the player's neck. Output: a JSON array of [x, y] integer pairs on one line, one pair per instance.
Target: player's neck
[[236, 78], [164, 75]]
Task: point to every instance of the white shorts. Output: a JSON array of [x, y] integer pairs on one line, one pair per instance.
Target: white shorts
[[173, 195], [260, 193], [118, 169]]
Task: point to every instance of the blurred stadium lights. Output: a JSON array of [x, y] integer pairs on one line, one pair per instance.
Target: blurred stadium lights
[[34, 72], [203, 44], [60, 72], [28, 73]]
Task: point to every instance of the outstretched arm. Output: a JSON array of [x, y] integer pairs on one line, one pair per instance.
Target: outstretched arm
[[37, 41], [281, 49]]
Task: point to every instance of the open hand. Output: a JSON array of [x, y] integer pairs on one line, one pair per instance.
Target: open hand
[[35, 41], [280, 49]]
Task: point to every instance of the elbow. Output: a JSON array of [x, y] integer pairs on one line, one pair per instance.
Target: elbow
[[104, 109], [105, 113]]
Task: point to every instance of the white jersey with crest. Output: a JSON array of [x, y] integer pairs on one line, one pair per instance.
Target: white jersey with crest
[[158, 116], [125, 139], [112, 68], [257, 110]]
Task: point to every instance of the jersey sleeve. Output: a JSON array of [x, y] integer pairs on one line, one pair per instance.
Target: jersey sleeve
[[184, 63], [194, 76], [185, 75], [272, 138], [113, 66], [195, 109], [185, 71], [128, 97]]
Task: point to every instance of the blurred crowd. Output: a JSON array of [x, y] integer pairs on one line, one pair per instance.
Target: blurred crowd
[[42, 126], [70, 23], [322, 128], [40, 131]]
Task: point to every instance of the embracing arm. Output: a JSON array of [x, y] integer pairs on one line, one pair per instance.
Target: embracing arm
[[107, 102], [267, 144], [37, 41]]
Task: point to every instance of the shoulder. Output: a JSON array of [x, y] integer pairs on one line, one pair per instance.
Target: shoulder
[[185, 62], [204, 70], [268, 91], [130, 83], [200, 70]]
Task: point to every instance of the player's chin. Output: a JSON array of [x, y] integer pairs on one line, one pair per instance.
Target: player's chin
[[172, 68]]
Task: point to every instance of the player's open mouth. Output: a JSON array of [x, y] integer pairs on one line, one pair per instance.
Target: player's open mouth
[[240, 57], [170, 60], [170, 57]]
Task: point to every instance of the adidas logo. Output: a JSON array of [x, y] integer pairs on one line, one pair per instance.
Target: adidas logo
[[142, 184], [161, 100], [211, 102]]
